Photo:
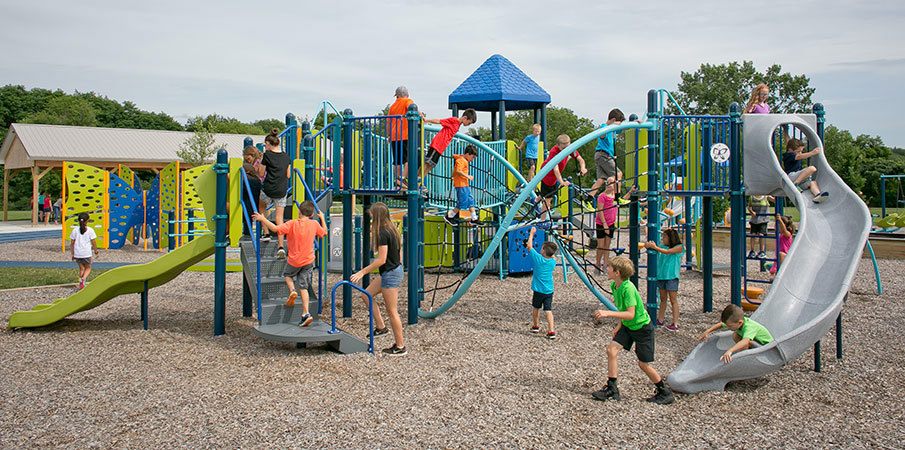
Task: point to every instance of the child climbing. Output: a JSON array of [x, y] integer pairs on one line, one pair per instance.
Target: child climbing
[[386, 241], [531, 144], [542, 283], [746, 331], [669, 265], [551, 182], [300, 234], [791, 163], [633, 328], [274, 170], [444, 137], [604, 154], [460, 179], [785, 228], [83, 244], [607, 213], [759, 208]]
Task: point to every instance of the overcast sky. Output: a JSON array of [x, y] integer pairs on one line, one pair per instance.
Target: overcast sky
[[254, 60]]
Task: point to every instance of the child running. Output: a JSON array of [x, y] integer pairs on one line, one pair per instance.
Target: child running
[[83, 244], [759, 208], [791, 163], [633, 328], [531, 144], [444, 137], [746, 331], [460, 179], [542, 283], [300, 234], [385, 239], [274, 170], [607, 212], [785, 228], [669, 264]]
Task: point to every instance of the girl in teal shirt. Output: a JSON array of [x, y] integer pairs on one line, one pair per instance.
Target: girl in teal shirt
[[668, 265]]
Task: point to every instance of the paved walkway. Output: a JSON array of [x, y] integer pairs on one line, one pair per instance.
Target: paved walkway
[[23, 231], [63, 264]]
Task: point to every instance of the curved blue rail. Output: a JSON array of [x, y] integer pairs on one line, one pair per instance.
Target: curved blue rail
[[358, 288], [527, 191]]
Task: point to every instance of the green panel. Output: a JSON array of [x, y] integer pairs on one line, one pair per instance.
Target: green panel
[[512, 157], [235, 205], [692, 135], [191, 200], [635, 139], [86, 191], [169, 198], [129, 177]]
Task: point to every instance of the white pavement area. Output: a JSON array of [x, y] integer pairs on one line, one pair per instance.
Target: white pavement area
[[25, 226]]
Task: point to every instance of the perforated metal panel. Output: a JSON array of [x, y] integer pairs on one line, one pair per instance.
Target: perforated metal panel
[[152, 212], [169, 198], [86, 192], [123, 204]]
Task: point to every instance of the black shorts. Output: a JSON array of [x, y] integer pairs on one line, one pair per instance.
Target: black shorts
[[301, 276], [758, 228], [643, 338], [606, 232], [400, 151], [542, 300], [548, 191], [432, 158]]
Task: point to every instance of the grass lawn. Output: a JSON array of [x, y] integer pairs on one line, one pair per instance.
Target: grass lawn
[[14, 277], [19, 215]]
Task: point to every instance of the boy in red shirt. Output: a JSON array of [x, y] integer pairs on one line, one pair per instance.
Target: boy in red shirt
[[553, 179], [444, 137], [460, 177], [300, 234]]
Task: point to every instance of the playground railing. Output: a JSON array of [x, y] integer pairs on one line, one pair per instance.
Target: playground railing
[[256, 236], [489, 185], [687, 167], [374, 153], [358, 288], [323, 157], [318, 242]]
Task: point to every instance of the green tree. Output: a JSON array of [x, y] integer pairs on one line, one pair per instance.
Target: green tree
[[199, 147], [711, 89], [65, 110], [215, 123], [268, 124]]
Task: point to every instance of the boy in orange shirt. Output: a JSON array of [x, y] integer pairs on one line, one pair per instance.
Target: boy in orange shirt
[[300, 234], [461, 178]]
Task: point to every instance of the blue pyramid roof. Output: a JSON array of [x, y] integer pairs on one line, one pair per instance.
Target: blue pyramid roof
[[498, 79]]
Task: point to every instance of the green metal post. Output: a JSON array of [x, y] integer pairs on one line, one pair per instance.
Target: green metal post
[[220, 243], [415, 227], [737, 204], [653, 200]]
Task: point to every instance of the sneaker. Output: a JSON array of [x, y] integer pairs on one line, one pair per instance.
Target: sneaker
[[609, 392], [551, 335], [535, 329], [659, 323], [281, 253], [622, 201], [663, 396], [474, 218], [449, 220], [673, 327], [81, 285], [292, 296], [761, 255], [395, 351], [381, 331], [306, 320], [751, 254], [821, 197]]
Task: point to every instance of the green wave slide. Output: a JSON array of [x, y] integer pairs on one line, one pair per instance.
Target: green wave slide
[[130, 279]]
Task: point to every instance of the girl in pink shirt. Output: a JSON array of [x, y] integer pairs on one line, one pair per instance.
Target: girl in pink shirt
[[607, 211], [757, 104], [786, 229]]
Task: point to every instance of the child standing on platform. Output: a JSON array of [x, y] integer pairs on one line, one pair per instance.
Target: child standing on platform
[[542, 283], [746, 331], [531, 144], [83, 244], [274, 170], [669, 265], [633, 328], [444, 137], [607, 213], [759, 208], [300, 234], [460, 178]]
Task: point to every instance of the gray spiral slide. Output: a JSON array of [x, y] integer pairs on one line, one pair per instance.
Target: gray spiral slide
[[810, 287]]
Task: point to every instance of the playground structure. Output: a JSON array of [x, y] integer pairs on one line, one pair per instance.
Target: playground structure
[[894, 221]]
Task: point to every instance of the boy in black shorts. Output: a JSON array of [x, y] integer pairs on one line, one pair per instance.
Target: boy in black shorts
[[634, 328], [759, 208], [444, 137]]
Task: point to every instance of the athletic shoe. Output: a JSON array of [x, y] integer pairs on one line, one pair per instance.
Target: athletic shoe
[[474, 218], [395, 351], [609, 392], [663, 396], [659, 324], [751, 254], [281, 253], [265, 238], [551, 335], [381, 331], [81, 285], [761, 255], [672, 327], [306, 320], [821, 197], [292, 296], [622, 201], [535, 329]]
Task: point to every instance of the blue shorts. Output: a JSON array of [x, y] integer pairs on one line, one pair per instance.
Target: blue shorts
[[463, 198], [668, 285], [539, 300], [391, 279]]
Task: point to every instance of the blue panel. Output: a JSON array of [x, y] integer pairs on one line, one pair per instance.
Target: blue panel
[[123, 206], [498, 79], [152, 214], [139, 213], [519, 261]]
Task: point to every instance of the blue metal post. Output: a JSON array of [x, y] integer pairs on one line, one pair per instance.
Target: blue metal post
[[367, 163], [308, 152], [348, 211], [653, 201], [737, 204], [543, 124], [290, 138], [247, 142], [634, 235], [821, 128], [246, 298], [171, 231], [502, 120], [413, 238], [882, 196], [706, 256], [220, 243], [189, 215], [817, 365]]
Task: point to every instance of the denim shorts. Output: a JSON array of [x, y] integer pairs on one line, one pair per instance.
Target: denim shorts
[[83, 261], [464, 200], [668, 285], [391, 279], [280, 202]]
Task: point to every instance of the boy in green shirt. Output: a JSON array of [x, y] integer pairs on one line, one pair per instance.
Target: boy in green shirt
[[634, 328], [746, 331]]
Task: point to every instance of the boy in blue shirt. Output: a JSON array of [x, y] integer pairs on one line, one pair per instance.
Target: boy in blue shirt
[[605, 154], [542, 283], [634, 327], [531, 144]]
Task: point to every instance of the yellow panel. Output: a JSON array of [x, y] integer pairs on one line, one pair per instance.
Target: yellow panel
[[298, 194], [692, 157], [635, 139], [85, 191], [234, 200], [512, 157], [169, 199]]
